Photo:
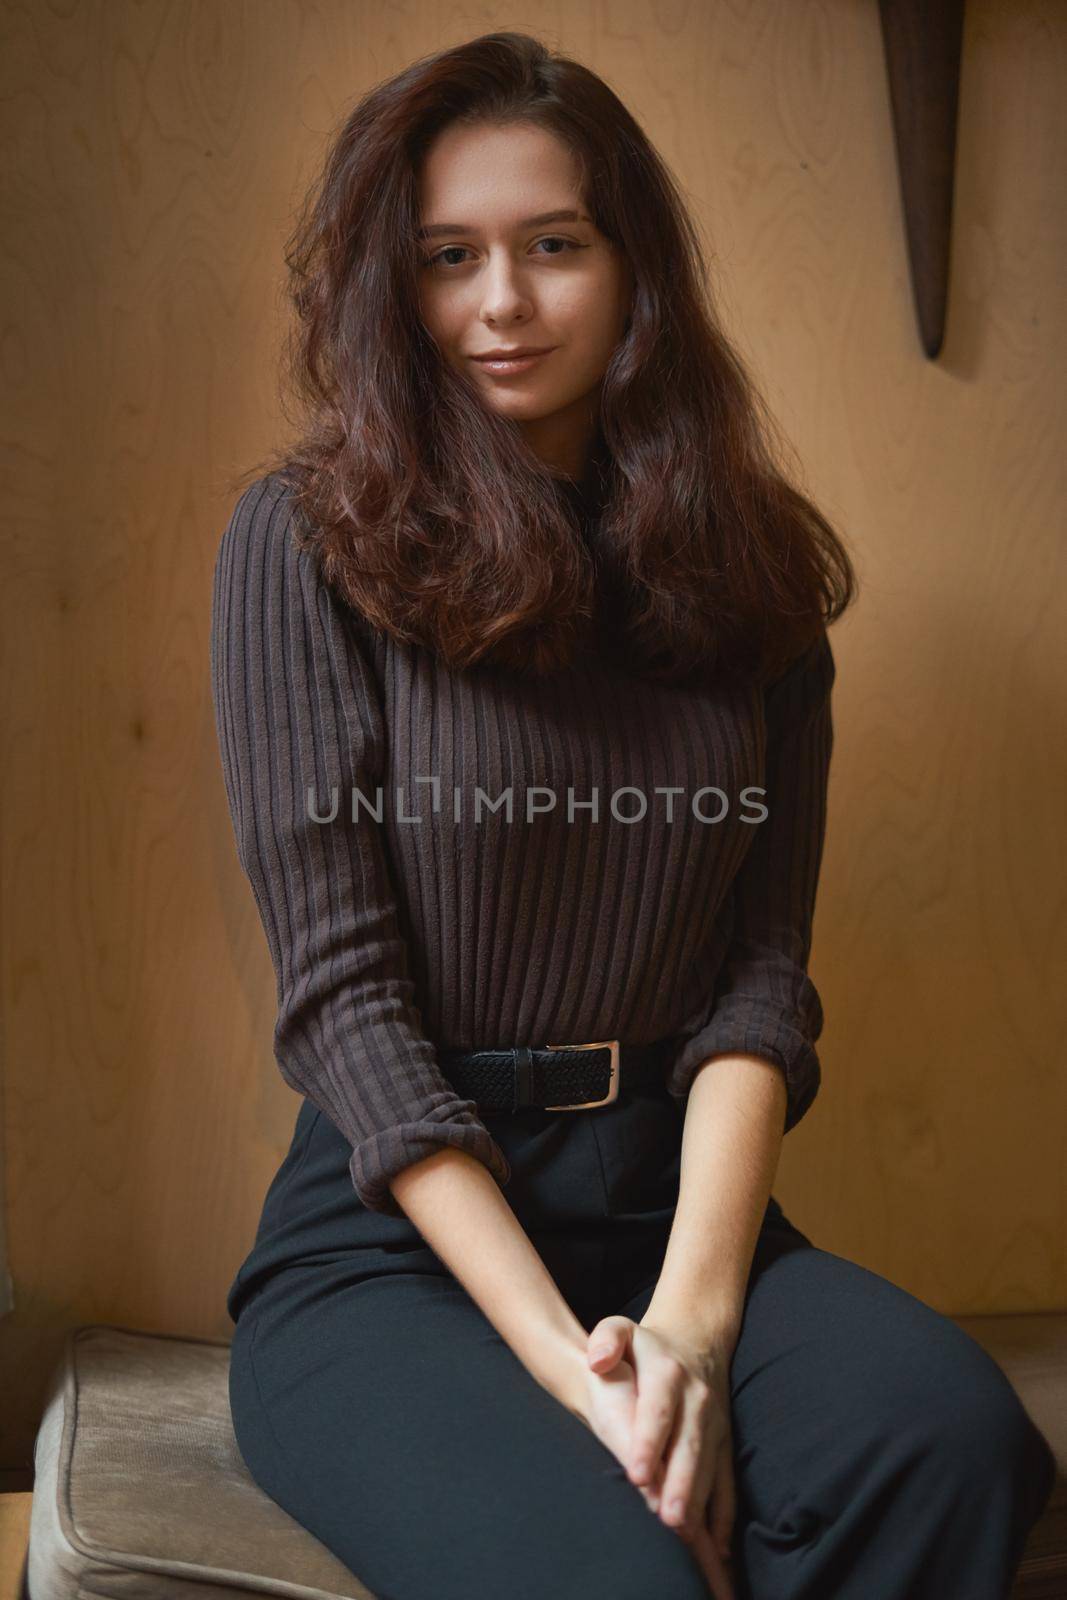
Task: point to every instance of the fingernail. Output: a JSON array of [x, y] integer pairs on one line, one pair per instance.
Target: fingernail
[[675, 1509], [600, 1350]]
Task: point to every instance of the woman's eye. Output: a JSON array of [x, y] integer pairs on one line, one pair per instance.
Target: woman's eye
[[460, 249], [450, 249], [553, 239]]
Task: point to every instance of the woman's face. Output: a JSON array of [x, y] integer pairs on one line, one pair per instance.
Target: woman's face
[[499, 271]]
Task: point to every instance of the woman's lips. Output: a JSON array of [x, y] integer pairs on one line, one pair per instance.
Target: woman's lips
[[502, 368]]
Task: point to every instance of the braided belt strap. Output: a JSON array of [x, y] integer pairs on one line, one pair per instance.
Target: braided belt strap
[[553, 1077]]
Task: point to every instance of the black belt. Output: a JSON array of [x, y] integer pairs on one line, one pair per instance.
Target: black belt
[[554, 1077]]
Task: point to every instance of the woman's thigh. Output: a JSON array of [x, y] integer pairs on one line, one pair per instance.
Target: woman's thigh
[[389, 1418], [878, 1448]]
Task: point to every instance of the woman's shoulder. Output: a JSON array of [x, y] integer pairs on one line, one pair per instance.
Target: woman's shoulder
[[259, 502], [265, 530], [805, 687], [269, 563]]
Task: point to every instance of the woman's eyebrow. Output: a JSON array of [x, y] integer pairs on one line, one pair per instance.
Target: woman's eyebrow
[[436, 228]]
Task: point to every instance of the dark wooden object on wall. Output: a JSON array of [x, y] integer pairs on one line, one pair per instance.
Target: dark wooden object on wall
[[922, 42]]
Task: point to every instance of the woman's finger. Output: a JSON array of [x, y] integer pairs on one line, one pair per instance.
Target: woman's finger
[[651, 1495], [691, 1460], [723, 1506], [714, 1568], [608, 1341], [612, 1400], [658, 1401]]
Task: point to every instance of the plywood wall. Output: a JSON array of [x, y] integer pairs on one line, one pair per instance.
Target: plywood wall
[[154, 153]]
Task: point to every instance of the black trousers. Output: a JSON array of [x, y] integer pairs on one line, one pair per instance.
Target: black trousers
[[880, 1453]]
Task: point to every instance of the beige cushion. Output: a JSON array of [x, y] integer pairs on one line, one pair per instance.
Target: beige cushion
[[140, 1490]]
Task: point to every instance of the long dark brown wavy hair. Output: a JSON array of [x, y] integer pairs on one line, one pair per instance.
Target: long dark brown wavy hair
[[685, 545]]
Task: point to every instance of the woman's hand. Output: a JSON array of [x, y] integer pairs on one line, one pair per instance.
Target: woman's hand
[[680, 1445], [608, 1405]]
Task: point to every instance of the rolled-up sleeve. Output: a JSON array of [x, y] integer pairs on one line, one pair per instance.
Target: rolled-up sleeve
[[764, 1002], [297, 709]]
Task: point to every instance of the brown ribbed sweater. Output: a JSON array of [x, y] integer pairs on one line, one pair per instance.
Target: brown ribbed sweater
[[636, 919]]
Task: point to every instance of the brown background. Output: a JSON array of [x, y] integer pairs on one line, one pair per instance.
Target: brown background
[[153, 157]]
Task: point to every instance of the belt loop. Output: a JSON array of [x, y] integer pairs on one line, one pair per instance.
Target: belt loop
[[523, 1077]]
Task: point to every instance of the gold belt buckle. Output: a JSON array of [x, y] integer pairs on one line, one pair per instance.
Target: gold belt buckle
[[613, 1086]]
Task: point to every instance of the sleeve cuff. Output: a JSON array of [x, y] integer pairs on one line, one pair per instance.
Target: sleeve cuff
[[375, 1161], [757, 1029]]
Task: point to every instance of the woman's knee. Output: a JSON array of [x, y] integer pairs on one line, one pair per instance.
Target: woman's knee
[[999, 1436], [977, 1429]]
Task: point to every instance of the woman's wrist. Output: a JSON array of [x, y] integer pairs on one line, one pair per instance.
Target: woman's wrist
[[712, 1326], [561, 1367]]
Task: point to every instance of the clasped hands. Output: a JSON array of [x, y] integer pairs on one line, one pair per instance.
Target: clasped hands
[[661, 1403]]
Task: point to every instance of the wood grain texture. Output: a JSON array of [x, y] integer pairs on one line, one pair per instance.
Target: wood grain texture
[[14, 1539], [153, 155]]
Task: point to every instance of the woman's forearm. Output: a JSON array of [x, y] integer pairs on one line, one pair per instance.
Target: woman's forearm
[[731, 1141], [458, 1207]]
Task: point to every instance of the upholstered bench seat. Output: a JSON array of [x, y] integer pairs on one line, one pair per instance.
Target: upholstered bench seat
[[140, 1492]]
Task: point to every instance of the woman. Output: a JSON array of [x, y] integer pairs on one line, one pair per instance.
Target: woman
[[522, 682]]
